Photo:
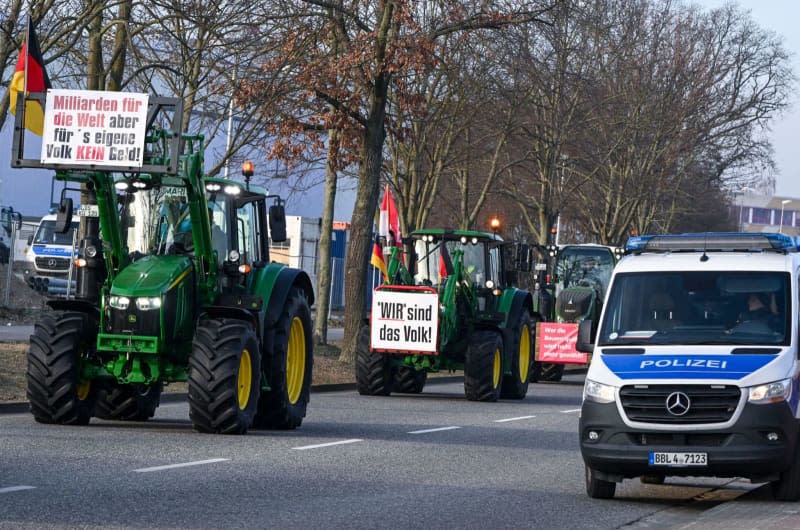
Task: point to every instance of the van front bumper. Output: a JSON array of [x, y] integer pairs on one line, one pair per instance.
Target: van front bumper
[[759, 446]]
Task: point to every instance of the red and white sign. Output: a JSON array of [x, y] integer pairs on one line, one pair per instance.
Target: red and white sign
[[556, 344], [93, 127], [404, 321]]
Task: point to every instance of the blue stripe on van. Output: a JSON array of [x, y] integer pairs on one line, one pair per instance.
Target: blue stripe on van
[[685, 366]]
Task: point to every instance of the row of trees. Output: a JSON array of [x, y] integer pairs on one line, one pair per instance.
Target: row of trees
[[610, 115]]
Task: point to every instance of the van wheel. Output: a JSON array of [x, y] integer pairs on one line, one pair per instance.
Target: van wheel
[[596, 488], [787, 487]]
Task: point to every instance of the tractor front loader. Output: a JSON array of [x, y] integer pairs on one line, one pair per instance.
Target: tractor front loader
[[174, 280], [454, 308]]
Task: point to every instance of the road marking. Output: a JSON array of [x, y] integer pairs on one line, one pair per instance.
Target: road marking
[[16, 488], [329, 444], [423, 431], [185, 464], [570, 410], [514, 419]]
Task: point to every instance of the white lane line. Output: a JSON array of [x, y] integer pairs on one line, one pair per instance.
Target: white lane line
[[514, 419], [329, 444], [16, 488], [185, 464], [569, 411], [423, 431]]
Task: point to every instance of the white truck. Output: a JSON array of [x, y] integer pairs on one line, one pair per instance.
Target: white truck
[[695, 368]]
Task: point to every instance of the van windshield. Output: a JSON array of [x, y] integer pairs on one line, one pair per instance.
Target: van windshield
[[47, 235], [679, 308]]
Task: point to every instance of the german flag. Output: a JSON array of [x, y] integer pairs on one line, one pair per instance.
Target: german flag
[[377, 260], [30, 76]]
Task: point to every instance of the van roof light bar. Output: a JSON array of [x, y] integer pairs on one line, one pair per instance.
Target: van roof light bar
[[712, 242]]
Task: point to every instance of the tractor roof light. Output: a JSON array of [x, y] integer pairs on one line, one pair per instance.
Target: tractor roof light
[[122, 185], [495, 223], [213, 186], [232, 190], [248, 168]]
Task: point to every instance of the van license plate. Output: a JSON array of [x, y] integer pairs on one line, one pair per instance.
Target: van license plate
[[678, 459]]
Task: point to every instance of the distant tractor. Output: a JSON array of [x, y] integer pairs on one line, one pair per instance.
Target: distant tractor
[[575, 283], [174, 284], [454, 308]]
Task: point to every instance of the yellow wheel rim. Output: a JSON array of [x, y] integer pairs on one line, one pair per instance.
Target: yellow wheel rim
[[83, 390], [245, 379], [496, 368], [295, 360], [524, 353]]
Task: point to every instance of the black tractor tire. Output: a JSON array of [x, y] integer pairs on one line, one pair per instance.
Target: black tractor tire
[[374, 374], [787, 487], [409, 381], [483, 366], [521, 352], [55, 389], [547, 372], [224, 376], [132, 402], [291, 364], [598, 489]]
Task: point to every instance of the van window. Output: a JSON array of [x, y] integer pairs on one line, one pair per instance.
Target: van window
[[46, 234], [679, 308]]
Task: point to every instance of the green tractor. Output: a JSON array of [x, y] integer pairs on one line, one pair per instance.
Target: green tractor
[[454, 308], [175, 284], [572, 288]]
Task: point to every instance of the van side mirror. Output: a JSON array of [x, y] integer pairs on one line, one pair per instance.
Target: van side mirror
[[30, 240], [586, 336], [277, 223], [64, 216]]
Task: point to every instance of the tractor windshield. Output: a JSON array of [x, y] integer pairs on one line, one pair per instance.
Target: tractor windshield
[[434, 262], [158, 221], [584, 265]]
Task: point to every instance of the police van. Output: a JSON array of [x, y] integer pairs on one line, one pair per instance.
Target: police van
[[695, 364]]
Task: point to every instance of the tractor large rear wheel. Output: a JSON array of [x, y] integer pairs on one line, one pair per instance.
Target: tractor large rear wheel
[[515, 384], [224, 376], [292, 361], [409, 381], [56, 389], [134, 402], [483, 367], [374, 375]]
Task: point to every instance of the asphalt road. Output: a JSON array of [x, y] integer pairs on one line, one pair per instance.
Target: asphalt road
[[432, 460]]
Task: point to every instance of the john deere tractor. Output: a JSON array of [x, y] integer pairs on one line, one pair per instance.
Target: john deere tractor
[[454, 308], [573, 287], [164, 297]]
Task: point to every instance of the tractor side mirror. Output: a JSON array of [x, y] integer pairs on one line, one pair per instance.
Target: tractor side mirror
[[64, 216], [30, 240], [277, 223], [523, 258]]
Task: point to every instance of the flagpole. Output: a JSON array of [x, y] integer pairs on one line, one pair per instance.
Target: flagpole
[[25, 75]]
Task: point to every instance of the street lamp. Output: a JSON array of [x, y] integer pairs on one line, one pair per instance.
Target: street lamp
[[784, 202]]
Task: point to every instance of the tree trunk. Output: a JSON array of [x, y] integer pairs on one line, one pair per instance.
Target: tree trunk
[[324, 277]]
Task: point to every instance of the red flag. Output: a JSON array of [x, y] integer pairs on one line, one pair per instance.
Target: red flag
[[389, 221], [377, 260], [442, 269], [30, 76]]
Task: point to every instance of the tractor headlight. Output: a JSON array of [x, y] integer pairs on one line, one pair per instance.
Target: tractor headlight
[[146, 303], [119, 302], [233, 255], [91, 251], [770, 393]]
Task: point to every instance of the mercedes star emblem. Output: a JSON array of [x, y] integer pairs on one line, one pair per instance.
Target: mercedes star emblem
[[51, 263], [678, 403]]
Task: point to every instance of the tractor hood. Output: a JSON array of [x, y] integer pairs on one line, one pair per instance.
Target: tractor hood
[[150, 276]]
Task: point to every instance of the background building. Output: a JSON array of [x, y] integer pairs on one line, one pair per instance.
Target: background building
[[768, 213]]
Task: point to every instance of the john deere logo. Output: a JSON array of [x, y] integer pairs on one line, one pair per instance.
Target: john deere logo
[[131, 318]]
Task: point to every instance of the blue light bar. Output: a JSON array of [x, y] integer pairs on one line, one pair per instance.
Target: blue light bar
[[712, 242]]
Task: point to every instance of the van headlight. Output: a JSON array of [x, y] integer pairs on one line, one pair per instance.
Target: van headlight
[[598, 392], [770, 392]]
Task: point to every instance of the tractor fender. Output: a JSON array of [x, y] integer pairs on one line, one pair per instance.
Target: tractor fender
[[81, 306], [274, 286]]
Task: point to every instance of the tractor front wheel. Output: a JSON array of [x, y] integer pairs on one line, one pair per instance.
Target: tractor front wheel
[[224, 376], [515, 385], [134, 402], [57, 391], [373, 369], [409, 381], [284, 406], [483, 367]]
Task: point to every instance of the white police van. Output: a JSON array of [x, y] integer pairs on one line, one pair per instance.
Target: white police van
[[695, 369]]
